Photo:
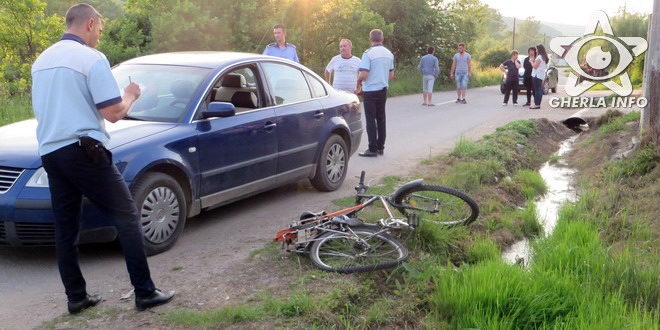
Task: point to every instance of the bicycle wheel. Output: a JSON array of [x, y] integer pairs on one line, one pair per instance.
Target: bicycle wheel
[[437, 204], [360, 249]]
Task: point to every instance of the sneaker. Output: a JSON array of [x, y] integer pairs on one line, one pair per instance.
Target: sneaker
[[515, 104], [463, 101], [431, 105], [526, 105], [458, 100], [503, 104], [380, 152]]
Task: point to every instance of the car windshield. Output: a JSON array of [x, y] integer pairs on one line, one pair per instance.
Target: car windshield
[[166, 90]]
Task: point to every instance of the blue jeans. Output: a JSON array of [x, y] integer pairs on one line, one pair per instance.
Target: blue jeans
[[71, 174], [538, 90], [427, 83], [374, 114], [461, 80]]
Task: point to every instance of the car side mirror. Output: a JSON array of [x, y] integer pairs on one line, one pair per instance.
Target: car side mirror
[[219, 109]]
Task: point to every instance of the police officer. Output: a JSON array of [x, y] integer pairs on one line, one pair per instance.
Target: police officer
[[280, 47], [73, 91]]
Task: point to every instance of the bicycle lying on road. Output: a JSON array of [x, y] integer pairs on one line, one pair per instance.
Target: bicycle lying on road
[[341, 241]]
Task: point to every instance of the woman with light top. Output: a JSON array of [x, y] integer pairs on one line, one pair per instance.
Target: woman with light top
[[539, 67]]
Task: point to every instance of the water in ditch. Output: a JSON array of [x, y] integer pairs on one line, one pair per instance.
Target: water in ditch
[[559, 179]]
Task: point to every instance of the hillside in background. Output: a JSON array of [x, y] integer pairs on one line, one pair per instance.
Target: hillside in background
[[550, 29]]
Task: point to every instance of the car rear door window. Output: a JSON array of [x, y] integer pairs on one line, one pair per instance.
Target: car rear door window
[[287, 84]]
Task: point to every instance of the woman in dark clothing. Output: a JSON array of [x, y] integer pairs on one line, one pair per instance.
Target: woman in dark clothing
[[527, 76]]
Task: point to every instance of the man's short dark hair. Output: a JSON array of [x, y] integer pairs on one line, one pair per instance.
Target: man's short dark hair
[[279, 26], [461, 44], [430, 50], [376, 35], [80, 13]]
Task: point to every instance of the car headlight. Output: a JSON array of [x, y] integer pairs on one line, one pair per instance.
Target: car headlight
[[39, 179]]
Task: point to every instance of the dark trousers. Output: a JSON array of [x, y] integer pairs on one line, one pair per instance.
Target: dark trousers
[[529, 87], [538, 91], [374, 114], [71, 174], [508, 87]]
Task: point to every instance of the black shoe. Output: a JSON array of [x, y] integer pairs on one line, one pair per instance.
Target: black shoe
[[76, 307], [155, 299], [368, 153], [525, 105], [380, 152], [463, 101]]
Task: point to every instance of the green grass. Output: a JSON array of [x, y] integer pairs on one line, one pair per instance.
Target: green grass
[[615, 122], [531, 183], [15, 109], [408, 80], [598, 270]]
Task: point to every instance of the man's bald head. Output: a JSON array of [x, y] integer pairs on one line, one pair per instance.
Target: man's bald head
[[79, 14]]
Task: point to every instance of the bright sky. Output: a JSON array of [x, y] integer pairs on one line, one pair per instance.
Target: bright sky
[[574, 12]]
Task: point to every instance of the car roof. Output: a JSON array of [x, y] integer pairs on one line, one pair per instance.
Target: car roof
[[206, 59]]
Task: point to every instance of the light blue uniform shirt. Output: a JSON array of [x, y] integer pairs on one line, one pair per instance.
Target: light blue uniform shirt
[[288, 51], [378, 61], [70, 82]]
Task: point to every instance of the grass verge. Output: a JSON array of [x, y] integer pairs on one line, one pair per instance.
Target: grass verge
[[15, 109]]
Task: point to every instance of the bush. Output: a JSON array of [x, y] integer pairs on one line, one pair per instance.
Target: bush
[[494, 57]]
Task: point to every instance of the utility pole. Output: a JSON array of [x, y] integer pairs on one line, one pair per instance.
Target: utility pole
[[513, 37], [652, 75]]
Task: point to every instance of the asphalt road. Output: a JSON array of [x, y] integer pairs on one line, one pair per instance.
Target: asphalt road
[[30, 288]]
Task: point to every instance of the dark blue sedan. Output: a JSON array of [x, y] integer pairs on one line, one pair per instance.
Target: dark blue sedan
[[210, 128]]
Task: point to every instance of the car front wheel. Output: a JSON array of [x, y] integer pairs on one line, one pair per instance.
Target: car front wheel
[[331, 165], [163, 210]]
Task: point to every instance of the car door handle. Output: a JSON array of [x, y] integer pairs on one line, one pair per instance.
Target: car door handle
[[270, 126], [319, 114]]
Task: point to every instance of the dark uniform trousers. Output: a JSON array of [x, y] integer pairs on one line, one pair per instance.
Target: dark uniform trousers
[[374, 114], [72, 174]]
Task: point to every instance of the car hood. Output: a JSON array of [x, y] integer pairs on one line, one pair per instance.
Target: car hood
[[18, 141]]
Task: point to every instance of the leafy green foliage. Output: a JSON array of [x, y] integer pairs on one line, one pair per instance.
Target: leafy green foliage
[[494, 57], [25, 31]]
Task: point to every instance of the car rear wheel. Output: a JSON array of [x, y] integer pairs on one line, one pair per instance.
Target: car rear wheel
[[163, 210], [332, 165]]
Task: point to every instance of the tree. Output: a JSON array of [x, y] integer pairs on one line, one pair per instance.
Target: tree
[[651, 114], [527, 33], [187, 27], [25, 31], [126, 37]]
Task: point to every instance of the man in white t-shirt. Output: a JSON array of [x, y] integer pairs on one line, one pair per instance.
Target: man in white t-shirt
[[345, 67]]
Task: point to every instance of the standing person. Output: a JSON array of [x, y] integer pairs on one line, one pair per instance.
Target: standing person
[[430, 69], [280, 47], [345, 68], [527, 76], [540, 66], [376, 70], [510, 67], [461, 69], [73, 91]]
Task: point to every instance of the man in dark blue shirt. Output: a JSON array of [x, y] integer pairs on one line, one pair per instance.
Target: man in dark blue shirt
[[510, 67]]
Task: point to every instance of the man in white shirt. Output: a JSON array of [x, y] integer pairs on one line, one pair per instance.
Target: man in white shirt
[[345, 67]]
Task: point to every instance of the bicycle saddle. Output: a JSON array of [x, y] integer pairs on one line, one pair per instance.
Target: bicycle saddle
[[309, 214]]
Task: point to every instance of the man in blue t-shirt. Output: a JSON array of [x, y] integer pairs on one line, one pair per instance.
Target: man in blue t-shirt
[[510, 67], [376, 70], [461, 70], [73, 92], [280, 47]]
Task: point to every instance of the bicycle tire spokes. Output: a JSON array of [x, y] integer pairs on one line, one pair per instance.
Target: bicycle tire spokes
[[358, 250], [436, 206]]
